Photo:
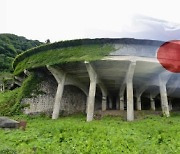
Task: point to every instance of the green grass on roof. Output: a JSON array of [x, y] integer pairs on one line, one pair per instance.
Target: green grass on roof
[[86, 52]]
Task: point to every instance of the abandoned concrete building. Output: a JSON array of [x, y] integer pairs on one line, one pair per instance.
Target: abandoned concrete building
[[100, 74]]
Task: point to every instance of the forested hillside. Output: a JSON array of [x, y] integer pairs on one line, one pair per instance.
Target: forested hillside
[[10, 46]]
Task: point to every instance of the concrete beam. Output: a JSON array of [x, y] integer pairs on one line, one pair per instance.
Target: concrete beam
[[72, 81], [165, 76], [131, 58], [138, 96], [20, 79], [27, 72], [18, 83], [129, 88], [56, 72], [174, 86], [141, 90]]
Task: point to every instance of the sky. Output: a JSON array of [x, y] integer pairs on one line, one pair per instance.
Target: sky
[[74, 19]]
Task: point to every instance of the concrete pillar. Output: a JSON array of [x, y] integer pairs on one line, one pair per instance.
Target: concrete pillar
[[104, 103], [58, 97], [91, 100], [170, 105], [92, 91], [122, 102], [138, 103], [104, 95], [129, 88], [164, 99], [130, 103], [152, 101], [117, 103], [60, 77], [110, 103]]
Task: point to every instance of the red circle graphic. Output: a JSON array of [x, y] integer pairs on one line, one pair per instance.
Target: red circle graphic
[[169, 56]]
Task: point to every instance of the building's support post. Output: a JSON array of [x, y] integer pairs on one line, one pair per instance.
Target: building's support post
[[110, 102], [60, 77], [170, 105], [104, 103], [139, 93], [152, 102], [92, 91], [122, 102], [121, 96], [91, 99], [117, 103], [94, 80], [138, 103], [104, 95], [164, 100], [130, 103], [129, 88], [163, 94], [58, 97]]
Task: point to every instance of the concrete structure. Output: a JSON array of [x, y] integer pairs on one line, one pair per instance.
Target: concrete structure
[[5, 122], [130, 71]]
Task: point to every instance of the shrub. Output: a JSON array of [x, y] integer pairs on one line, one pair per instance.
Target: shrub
[[10, 101]]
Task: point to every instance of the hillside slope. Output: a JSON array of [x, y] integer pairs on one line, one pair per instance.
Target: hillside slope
[[10, 46]]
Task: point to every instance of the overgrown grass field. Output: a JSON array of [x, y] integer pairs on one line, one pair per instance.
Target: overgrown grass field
[[154, 134]]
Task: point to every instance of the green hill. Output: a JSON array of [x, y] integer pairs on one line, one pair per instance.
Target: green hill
[[10, 46]]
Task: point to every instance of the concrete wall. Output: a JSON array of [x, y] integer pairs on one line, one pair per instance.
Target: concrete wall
[[73, 100]]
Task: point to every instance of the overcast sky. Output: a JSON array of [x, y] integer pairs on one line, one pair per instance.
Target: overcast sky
[[72, 19]]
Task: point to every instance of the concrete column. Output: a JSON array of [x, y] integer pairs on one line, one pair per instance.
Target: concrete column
[[122, 102], [129, 88], [104, 103], [164, 99], [91, 100], [130, 103], [104, 95], [60, 77], [58, 97], [117, 103], [110, 103], [170, 105], [152, 101], [92, 91], [138, 103]]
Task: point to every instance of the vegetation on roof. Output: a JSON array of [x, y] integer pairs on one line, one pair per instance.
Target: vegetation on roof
[[61, 55], [58, 45], [72, 50]]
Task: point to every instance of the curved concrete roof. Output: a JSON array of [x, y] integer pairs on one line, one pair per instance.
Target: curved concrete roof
[[124, 42], [113, 67]]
